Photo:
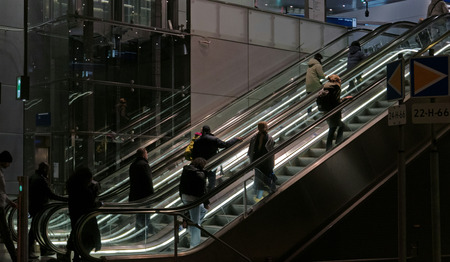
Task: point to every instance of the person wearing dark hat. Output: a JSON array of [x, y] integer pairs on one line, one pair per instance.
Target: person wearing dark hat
[[314, 74], [5, 160], [39, 195], [355, 55], [206, 146]]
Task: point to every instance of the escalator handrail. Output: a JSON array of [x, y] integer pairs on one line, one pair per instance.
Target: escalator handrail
[[392, 45]]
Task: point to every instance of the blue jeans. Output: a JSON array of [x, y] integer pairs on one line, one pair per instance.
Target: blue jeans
[[196, 214]]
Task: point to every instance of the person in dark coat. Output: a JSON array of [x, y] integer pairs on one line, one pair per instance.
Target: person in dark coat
[[206, 146], [192, 187], [437, 7], [141, 186], [261, 144], [355, 55], [5, 161], [334, 122], [39, 195], [83, 192]]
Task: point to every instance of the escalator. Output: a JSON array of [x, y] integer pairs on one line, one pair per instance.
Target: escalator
[[297, 157], [138, 132], [115, 181], [375, 41], [119, 178], [304, 104], [63, 241], [237, 117]]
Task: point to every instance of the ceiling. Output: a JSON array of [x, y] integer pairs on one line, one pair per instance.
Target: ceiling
[[332, 6]]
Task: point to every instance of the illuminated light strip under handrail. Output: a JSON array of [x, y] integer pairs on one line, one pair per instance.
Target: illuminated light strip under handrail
[[390, 57], [119, 236], [277, 134]]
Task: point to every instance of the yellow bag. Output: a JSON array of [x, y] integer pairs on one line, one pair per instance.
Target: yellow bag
[[188, 151]]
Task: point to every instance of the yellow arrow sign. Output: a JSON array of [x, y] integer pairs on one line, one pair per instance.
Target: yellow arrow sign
[[425, 77], [395, 81]]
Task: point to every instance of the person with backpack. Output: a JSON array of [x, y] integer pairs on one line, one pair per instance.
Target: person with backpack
[[313, 75], [328, 99], [192, 187]]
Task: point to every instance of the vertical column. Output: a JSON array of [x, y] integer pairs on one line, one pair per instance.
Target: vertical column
[[435, 193], [159, 19], [22, 242], [435, 197], [88, 36], [315, 9]]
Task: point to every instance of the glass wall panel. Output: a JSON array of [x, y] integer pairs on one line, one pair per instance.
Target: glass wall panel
[[264, 28], [100, 90], [260, 25], [236, 28], [330, 33], [204, 16], [102, 9], [182, 14], [307, 29], [247, 3], [286, 33]]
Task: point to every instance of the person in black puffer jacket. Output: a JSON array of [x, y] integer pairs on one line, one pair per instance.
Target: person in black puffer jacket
[[193, 187]]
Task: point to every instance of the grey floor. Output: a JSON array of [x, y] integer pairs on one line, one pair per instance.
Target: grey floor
[[4, 256]]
